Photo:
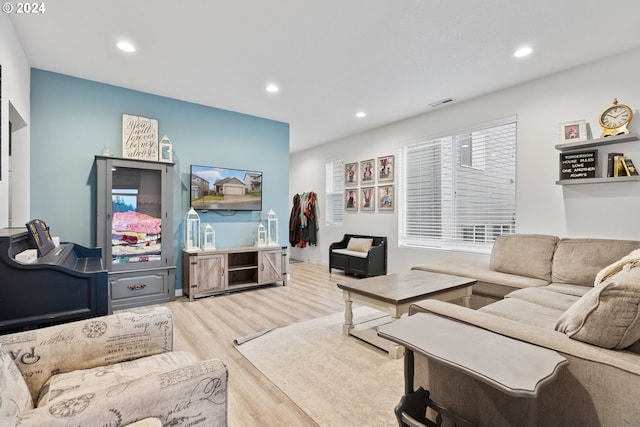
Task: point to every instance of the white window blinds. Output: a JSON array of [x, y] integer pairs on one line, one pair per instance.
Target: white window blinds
[[458, 191], [334, 192]]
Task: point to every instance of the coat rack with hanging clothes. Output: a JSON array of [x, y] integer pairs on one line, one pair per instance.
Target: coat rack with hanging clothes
[[303, 221]]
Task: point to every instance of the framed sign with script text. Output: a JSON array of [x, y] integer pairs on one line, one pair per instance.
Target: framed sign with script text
[[139, 137]]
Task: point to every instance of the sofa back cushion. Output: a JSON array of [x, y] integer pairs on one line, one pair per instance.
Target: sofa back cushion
[[15, 397], [608, 315], [578, 261], [527, 255]]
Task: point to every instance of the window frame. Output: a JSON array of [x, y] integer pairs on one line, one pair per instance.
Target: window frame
[[443, 217], [334, 192]]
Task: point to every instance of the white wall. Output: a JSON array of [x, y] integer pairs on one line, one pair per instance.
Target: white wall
[[592, 210], [15, 92]]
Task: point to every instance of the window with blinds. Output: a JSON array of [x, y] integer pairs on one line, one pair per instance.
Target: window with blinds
[[334, 192], [459, 192]]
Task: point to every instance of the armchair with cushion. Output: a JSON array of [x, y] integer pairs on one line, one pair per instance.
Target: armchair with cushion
[[114, 370]]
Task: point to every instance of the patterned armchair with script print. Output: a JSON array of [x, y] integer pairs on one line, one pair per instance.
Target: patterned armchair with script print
[[109, 371]]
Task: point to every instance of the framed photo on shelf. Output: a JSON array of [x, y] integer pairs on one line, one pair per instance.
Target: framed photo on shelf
[[351, 175], [351, 199], [574, 131], [367, 172], [367, 199], [385, 198], [385, 169]]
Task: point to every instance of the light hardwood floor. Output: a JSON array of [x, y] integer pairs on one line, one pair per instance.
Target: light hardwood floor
[[208, 326]]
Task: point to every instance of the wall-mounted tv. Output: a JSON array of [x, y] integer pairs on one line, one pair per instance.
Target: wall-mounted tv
[[224, 189]]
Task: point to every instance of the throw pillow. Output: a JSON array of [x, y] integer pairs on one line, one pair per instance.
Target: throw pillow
[[626, 263], [608, 315], [359, 244], [15, 397]]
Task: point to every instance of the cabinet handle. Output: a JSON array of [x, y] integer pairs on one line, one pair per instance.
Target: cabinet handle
[[136, 287]]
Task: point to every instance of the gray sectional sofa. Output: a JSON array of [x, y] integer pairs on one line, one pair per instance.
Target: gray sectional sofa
[[544, 294]]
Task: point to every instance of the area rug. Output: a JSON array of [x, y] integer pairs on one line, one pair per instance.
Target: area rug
[[338, 381]]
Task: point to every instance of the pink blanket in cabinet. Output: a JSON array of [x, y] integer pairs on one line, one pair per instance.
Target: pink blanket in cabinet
[[135, 221]]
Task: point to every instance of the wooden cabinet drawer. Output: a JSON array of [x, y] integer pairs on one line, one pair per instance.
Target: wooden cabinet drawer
[[142, 285]]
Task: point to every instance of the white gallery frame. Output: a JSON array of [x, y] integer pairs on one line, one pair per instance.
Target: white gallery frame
[[351, 174], [367, 199]]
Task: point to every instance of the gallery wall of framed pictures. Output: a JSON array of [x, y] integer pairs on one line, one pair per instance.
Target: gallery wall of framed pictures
[[369, 185]]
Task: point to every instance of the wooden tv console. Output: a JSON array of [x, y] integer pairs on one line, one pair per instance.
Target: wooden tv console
[[211, 272]]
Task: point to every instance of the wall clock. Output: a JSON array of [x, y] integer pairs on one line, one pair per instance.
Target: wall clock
[[614, 119]]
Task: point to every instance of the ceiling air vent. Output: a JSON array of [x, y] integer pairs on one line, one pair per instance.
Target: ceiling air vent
[[442, 101]]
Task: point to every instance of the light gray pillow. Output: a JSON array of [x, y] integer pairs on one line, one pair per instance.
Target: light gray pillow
[[608, 315], [527, 255], [359, 244]]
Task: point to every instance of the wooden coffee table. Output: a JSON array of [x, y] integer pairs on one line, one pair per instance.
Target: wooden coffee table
[[393, 294]]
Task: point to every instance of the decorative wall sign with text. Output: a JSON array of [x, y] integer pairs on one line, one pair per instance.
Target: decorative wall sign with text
[[578, 164], [139, 137]]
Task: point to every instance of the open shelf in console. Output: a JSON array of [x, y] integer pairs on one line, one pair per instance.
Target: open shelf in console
[[242, 268]]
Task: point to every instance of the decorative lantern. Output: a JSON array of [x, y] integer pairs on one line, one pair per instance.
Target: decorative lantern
[[106, 151], [262, 235], [192, 230], [209, 238], [165, 150], [272, 227]]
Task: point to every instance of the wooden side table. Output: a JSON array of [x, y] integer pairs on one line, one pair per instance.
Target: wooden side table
[[486, 356]]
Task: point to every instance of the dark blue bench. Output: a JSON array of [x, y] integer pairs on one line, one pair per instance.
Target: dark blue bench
[[371, 263]]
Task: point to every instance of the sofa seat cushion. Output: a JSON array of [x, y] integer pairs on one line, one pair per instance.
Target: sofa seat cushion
[[527, 255], [578, 261], [566, 288], [84, 381], [608, 315], [350, 253], [545, 297], [490, 283], [524, 312]]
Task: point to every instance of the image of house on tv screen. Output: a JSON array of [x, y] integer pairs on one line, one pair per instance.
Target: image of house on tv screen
[[225, 189]]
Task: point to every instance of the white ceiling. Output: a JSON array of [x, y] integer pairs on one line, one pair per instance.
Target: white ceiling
[[331, 58]]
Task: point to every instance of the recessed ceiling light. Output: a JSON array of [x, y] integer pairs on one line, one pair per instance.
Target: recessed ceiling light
[[522, 52], [273, 88], [361, 114], [126, 46]]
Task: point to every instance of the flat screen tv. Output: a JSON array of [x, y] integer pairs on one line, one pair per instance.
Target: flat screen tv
[[224, 189]]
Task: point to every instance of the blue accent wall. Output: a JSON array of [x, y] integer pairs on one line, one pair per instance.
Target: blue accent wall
[[72, 120]]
